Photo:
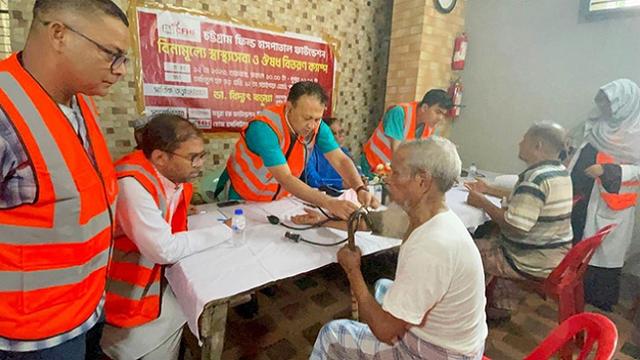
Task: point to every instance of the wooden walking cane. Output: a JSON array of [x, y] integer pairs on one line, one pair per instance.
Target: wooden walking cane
[[352, 227]]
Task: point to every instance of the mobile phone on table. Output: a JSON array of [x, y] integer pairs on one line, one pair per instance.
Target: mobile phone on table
[[222, 204]]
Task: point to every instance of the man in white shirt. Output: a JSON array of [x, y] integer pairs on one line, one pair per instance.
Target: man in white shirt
[[143, 317], [435, 307]]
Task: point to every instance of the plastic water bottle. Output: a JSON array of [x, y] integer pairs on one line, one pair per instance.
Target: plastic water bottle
[[473, 171], [238, 221]]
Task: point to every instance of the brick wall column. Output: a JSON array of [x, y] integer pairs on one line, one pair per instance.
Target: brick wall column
[[420, 50]]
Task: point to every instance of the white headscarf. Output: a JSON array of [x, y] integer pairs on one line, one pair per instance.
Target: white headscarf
[[615, 130]]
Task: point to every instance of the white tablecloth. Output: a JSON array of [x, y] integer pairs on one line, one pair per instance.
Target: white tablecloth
[[264, 256]]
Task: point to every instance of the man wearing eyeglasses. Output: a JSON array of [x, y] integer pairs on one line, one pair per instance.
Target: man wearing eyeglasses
[[57, 182], [143, 317]]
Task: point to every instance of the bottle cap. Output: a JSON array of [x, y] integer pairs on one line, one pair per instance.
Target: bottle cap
[[238, 212]]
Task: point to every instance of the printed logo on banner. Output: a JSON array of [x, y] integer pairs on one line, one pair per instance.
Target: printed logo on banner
[[179, 28]]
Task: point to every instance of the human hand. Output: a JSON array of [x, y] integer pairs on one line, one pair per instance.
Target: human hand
[[349, 259], [594, 171], [341, 208], [474, 198], [479, 186], [367, 199], [309, 218]]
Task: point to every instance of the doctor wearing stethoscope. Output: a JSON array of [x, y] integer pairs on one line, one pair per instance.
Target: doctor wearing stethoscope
[[606, 174]]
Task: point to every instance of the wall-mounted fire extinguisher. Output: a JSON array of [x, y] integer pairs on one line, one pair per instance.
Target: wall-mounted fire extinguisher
[[459, 52], [455, 92]]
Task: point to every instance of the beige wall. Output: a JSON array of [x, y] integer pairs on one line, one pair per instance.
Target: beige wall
[[530, 61], [361, 27], [420, 51]]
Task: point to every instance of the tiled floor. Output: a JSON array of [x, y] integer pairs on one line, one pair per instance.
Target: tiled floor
[[287, 323]]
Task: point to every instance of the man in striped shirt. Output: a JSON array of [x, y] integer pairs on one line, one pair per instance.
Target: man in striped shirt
[[535, 225]]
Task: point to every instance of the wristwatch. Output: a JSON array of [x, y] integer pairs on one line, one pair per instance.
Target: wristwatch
[[362, 187]]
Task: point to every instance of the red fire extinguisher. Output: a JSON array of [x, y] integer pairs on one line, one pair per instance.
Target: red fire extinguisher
[[455, 92], [459, 52]]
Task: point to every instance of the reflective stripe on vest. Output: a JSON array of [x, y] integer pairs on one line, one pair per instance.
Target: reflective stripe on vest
[[262, 173], [41, 279], [131, 258], [409, 115], [54, 251], [162, 200], [275, 120], [65, 228], [131, 291], [626, 197], [378, 148], [247, 173]]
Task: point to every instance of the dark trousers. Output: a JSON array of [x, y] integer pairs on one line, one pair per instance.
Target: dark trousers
[[82, 347], [602, 287]]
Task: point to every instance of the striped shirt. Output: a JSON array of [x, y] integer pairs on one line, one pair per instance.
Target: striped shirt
[[539, 207], [18, 187]]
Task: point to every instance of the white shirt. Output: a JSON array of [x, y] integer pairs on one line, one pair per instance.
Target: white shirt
[[440, 276], [74, 114], [138, 217]]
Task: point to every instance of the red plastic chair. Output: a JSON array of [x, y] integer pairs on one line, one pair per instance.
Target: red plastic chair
[[576, 199], [565, 283], [598, 328]]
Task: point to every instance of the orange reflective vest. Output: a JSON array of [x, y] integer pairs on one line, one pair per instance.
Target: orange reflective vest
[[247, 173], [134, 285], [377, 149], [626, 197], [54, 251]]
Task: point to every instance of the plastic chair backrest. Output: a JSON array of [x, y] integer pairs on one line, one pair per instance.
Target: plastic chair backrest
[[599, 329], [574, 264], [576, 199]]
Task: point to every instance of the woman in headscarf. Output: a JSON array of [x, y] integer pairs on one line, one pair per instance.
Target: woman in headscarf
[[605, 174]]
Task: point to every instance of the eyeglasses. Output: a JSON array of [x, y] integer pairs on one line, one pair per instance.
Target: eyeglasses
[[118, 58], [196, 160]]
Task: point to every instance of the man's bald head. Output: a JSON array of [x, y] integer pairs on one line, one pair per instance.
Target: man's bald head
[[551, 135], [42, 8]]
